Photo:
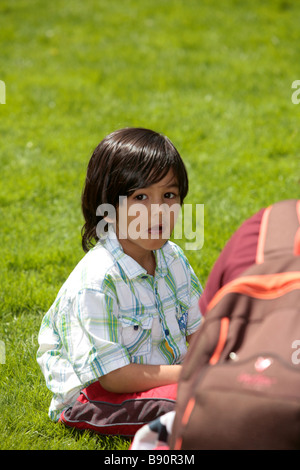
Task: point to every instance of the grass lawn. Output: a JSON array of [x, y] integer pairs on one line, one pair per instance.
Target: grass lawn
[[214, 76]]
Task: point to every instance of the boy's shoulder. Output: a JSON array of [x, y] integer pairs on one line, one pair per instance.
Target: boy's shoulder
[[176, 248], [92, 269], [174, 251], [183, 270]]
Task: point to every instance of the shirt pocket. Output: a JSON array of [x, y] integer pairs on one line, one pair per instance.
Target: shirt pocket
[[136, 334]]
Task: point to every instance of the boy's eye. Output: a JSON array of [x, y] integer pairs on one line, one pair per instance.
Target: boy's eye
[[140, 197], [170, 195]]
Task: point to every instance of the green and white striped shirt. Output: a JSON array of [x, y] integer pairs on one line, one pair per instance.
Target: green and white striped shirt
[[110, 313]]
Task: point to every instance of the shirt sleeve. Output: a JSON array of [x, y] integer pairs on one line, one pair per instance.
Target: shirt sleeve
[[78, 342], [94, 347], [188, 286], [194, 314]]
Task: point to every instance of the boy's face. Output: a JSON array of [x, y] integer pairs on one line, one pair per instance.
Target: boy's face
[[146, 218]]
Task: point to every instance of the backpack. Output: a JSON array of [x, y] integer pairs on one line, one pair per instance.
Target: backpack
[[240, 383]]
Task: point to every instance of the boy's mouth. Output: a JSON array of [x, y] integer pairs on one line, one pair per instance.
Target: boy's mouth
[[156, 230]]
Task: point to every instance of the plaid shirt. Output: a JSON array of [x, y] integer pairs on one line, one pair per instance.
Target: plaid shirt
[[110, 313]]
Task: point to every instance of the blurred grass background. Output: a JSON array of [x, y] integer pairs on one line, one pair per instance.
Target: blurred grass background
[[214, 76]]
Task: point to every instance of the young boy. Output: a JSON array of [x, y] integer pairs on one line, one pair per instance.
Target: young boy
[[124, 315]]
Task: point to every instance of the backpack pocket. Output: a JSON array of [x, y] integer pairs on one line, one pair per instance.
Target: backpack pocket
[[250, 404]]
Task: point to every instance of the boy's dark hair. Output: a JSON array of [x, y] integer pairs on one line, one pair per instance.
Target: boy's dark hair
[[124, 161]]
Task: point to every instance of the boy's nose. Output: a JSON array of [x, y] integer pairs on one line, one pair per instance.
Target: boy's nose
[[160, 209]]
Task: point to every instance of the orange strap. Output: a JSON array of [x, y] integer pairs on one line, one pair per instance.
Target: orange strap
[[263, 233], [261, 286], [185, 419], [222, 340], [297, 236], [262, 236]]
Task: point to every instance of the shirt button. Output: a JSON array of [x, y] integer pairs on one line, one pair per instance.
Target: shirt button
[[136, 327], [167, 332]]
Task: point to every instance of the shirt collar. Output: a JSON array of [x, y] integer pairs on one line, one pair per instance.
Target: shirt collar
[[164, 256]]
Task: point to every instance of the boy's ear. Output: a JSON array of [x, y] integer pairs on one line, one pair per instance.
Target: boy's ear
[[108, 212], [109, 220]]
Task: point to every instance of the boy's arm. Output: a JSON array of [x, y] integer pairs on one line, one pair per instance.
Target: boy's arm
[[140, 377], [190, 338]]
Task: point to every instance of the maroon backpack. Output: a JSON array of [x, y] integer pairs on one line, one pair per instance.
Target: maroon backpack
[[240, 384]]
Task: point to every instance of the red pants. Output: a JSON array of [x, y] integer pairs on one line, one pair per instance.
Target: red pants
[[118, 413]]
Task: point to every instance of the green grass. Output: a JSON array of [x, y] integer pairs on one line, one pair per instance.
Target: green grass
[[214, 76]]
